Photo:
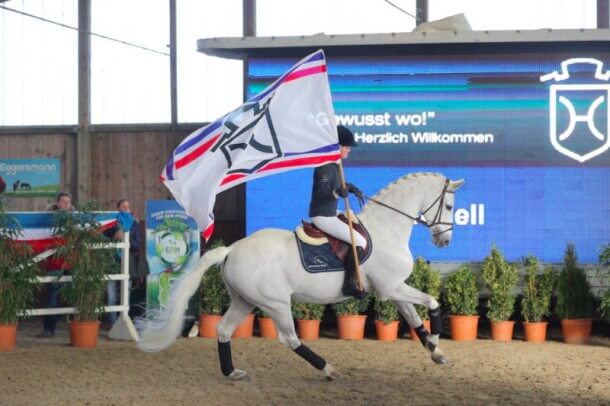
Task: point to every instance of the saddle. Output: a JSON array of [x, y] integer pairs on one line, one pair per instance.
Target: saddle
[[321, 252]]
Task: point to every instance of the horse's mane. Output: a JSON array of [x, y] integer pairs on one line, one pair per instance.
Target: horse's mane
[[400, 181]]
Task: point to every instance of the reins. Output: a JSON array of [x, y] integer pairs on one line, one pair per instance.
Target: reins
[[420, 218]]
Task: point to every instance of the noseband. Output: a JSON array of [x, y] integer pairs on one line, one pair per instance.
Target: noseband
[[436, 220]]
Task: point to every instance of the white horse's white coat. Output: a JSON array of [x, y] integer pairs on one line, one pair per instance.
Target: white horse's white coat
[[264, 269]]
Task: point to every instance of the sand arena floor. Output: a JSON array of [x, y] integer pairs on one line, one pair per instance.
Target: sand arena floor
[[40, 372]]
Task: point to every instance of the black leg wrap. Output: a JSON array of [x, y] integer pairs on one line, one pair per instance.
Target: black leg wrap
[[314, 359], [226, 361], [422, 334], [435, 321]]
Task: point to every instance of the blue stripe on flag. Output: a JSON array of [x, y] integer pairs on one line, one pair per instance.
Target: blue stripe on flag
[[327, 148], [196, 139]]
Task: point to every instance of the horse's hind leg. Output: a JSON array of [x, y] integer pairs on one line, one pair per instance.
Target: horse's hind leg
[[237, 312], [282, 317]]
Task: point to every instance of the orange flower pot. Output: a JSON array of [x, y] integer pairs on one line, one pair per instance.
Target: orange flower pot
[[576, 331], [207, 325], [246, 328], [8, 336], [309, 329], [267, 328], [351, 327], [413, 334], [463, 328], [535, 332], [502, 330], [386, 332], [84, 334]]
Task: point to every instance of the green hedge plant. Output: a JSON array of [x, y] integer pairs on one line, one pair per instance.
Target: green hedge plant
[[462, 292], [385, 310], [537, 290], [427, 280], [351, 306], [604, 259], [574, 298], [214, 295], [88, 266], [17, 270], [307, 311], [501, 278]]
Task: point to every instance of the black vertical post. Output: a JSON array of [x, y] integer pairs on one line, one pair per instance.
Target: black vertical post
[[421, 12], [603, 14]]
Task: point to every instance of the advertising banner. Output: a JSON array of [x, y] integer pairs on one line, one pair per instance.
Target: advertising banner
[[172, 248], [30, 177]]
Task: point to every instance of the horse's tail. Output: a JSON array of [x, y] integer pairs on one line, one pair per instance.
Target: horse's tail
[[160, 334]]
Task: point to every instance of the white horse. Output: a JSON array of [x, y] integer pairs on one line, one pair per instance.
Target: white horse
[[264, 270]]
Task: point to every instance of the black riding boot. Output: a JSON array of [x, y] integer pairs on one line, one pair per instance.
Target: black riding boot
[[350, 284]]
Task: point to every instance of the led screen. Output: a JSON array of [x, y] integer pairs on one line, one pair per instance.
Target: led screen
[[526, 125]]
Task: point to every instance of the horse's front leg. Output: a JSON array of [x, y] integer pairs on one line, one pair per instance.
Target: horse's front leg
[[405, 297]]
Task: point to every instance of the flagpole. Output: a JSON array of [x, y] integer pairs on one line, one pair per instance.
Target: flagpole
[[351, 229]]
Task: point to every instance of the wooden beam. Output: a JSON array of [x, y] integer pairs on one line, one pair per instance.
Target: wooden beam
[[173, 64], [83, 139]]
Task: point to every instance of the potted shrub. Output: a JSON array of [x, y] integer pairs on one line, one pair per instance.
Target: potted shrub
[[386, 320], [17, 272], [604, 305], [462, 297], [350, 321], [501, 279], [265, 324], [308, 317], [428, 281], [89, 266], [537, 291], [214, 299], [574, 300]]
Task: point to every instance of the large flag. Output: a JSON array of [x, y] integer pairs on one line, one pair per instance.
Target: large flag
[[289, 125]]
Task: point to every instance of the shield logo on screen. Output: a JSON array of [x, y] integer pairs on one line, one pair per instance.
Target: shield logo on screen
[[579, 109]]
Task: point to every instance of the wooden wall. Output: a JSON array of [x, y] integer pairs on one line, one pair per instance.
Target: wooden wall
[[123, 164]]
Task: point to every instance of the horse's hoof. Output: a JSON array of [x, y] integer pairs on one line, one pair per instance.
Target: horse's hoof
[[330, 373], [239, 375], [438, 357]]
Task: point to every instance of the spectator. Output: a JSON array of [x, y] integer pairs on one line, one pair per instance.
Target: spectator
[[55, 267], [126, 220]]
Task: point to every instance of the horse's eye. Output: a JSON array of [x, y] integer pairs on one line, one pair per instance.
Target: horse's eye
[[448, 206]]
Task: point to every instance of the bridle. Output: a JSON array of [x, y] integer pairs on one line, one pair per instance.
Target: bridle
[[436, 220]]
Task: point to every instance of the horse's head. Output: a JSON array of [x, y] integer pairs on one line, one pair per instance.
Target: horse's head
[[438, 214]]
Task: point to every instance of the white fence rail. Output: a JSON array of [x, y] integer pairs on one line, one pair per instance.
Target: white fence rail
[[123, 328]]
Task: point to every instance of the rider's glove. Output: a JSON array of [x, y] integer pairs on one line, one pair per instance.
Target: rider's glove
[[353, 189]]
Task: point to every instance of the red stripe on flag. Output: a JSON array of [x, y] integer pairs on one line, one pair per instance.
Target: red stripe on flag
[[196, 153], [305, 72], [207, 233], [304, 162], [231, 178], [300, 162]]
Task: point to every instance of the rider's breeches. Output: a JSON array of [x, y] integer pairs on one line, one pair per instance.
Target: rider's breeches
[[338, 229]]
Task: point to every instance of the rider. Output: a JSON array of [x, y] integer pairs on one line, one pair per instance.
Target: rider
[[325, 194]]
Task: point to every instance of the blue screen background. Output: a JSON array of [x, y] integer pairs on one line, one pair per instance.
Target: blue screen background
[[535, 199]]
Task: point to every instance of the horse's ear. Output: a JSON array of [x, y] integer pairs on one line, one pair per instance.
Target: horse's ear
[[455, 184]]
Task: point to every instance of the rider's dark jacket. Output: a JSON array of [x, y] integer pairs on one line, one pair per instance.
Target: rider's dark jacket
[[324, 200]]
